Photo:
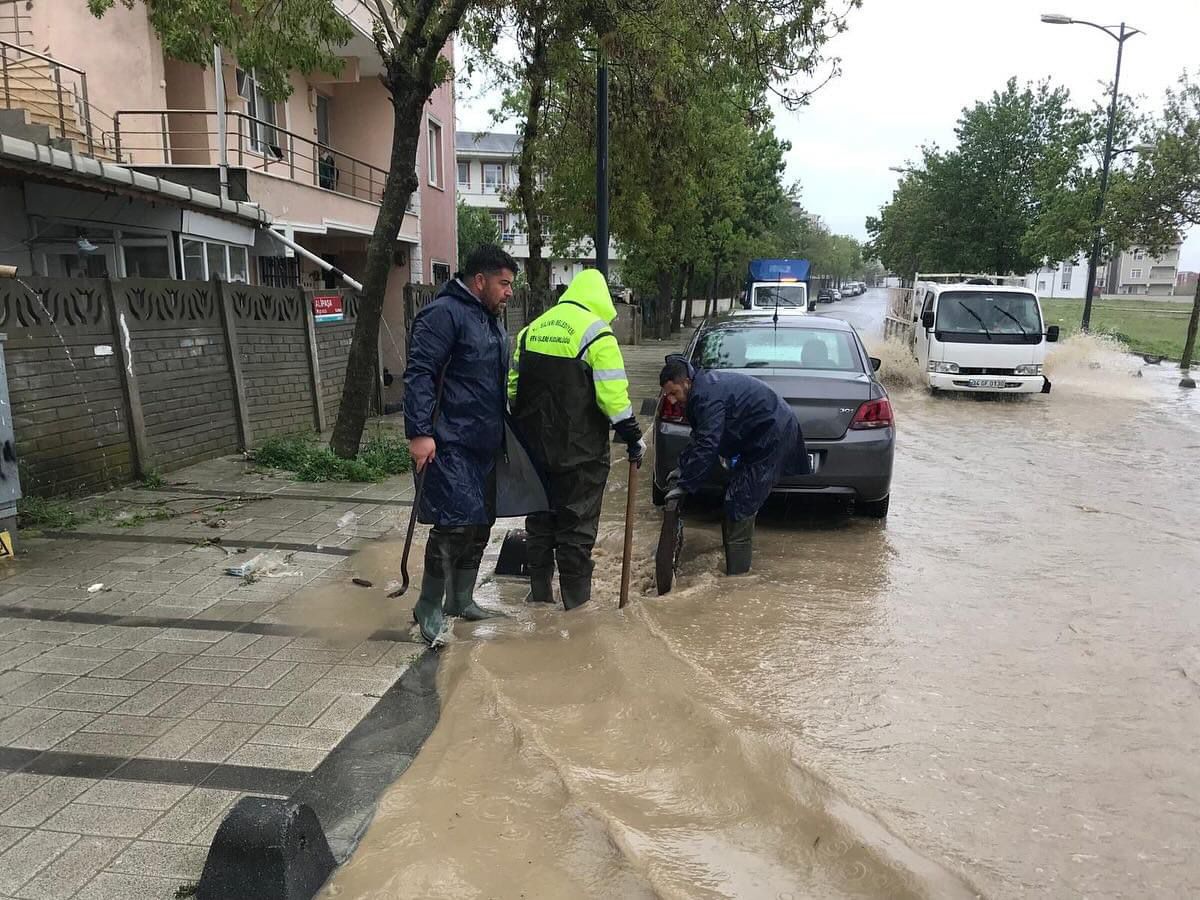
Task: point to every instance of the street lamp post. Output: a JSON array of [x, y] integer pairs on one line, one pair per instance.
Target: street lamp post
[[602, 163], [1120, 33]]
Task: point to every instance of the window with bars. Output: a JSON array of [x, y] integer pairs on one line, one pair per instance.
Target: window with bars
[[279, 271]]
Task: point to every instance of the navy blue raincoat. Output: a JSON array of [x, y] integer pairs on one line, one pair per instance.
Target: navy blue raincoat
[[460, 484], [734, 415]]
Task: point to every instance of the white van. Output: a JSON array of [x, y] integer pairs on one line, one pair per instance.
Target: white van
[[978, 335]]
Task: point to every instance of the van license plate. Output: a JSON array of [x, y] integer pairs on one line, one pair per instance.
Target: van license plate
[[986, 382]]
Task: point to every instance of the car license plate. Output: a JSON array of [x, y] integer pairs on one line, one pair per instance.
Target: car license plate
[[986, 382]]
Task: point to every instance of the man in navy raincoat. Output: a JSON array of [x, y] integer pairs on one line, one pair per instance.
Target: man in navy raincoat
[[734, 417], [459, 342]]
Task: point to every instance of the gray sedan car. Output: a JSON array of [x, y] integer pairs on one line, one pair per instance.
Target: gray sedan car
[[820, 367]]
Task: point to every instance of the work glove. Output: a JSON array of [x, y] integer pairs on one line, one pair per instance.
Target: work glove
[[630, 432], [673, 476], [637, 452], [675, 494]]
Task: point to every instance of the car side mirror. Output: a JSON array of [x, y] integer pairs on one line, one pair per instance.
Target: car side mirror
[[876, 362], [927, 319], [812, 305], [1052, 334]]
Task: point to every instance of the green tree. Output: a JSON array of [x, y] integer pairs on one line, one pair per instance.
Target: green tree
[[1162, 197], [475, 227], [984, 205], [688, 102]]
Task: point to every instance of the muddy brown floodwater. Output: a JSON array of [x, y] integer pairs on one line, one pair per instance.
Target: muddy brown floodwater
[[996, 693]]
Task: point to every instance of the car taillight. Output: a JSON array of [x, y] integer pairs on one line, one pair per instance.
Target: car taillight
[[874, 414], [670, 411]]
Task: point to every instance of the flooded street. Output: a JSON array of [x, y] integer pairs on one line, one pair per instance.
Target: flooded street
[[995, 693]]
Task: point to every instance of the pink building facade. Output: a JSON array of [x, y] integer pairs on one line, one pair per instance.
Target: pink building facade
[[315, 162]]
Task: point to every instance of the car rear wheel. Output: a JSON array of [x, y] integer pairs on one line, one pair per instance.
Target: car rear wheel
[[873, 509]]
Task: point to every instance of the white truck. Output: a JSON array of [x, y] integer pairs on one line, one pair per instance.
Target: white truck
[[973, 333]]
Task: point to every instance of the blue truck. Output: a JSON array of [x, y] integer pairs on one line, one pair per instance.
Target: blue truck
[[778, 284]]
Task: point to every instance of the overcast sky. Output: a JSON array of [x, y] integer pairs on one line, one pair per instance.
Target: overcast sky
[[910, 66]]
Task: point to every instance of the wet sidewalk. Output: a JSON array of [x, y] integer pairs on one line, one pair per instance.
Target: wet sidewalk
[[144, 690]]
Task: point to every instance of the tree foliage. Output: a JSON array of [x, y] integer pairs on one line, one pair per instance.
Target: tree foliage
[[1162, 197], [695, 167], [269, 36], [1013, 191], [475, 227]]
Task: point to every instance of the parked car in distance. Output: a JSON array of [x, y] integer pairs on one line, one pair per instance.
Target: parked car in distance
[[821, 368], [825, 295], [837, 295]]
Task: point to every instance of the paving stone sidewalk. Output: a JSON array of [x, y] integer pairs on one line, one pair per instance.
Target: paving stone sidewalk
[[134, 715]]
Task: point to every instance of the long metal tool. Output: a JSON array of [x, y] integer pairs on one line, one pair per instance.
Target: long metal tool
[[628, 549], [412, 516], [670, 545]]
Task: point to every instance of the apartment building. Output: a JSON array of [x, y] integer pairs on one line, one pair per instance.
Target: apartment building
[[487, 177], [1136, 272], [311, 167], [1065, 279], [1132, 272]]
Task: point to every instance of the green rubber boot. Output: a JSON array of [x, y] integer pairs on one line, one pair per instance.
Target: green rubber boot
[[428, 611], [541, 586], [575, 591], [460, 598], [738, 538]]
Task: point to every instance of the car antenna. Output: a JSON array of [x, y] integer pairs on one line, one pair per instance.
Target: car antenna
[[775, 319]]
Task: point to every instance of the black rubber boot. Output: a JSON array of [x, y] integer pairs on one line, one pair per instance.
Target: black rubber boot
[[575, 591], [738, 538], [460, 597], [541, 586], [428, 611]]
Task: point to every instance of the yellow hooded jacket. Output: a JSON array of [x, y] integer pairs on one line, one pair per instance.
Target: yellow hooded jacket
[[567, 384]]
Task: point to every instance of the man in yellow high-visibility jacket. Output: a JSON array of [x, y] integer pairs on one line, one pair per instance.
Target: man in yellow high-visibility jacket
[[567, 388]]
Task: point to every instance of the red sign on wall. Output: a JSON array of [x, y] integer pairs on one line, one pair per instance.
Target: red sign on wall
[[327, 308]]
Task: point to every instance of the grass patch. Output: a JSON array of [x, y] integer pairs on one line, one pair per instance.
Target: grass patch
[[381, 455], [40, 513], [153, 480], [1150, 327], [132, 520]]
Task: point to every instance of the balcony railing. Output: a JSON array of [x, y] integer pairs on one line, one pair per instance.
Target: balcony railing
[[190, 137], [53, 94]]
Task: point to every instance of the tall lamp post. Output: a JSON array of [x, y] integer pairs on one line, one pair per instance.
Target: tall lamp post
[[602, 163], [1119, 33]]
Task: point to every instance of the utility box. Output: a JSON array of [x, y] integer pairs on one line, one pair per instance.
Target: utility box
[[10, 482]]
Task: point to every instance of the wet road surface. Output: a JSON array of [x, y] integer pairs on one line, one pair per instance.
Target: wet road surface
[[995, 693]]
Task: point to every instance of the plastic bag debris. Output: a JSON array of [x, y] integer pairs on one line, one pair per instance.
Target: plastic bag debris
[[265, 565]]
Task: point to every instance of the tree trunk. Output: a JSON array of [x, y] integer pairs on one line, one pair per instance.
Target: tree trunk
[[1189, 343], [716, 282], [677, 314], [537, 271], [687, 295], [408, 102], [662, 312]]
